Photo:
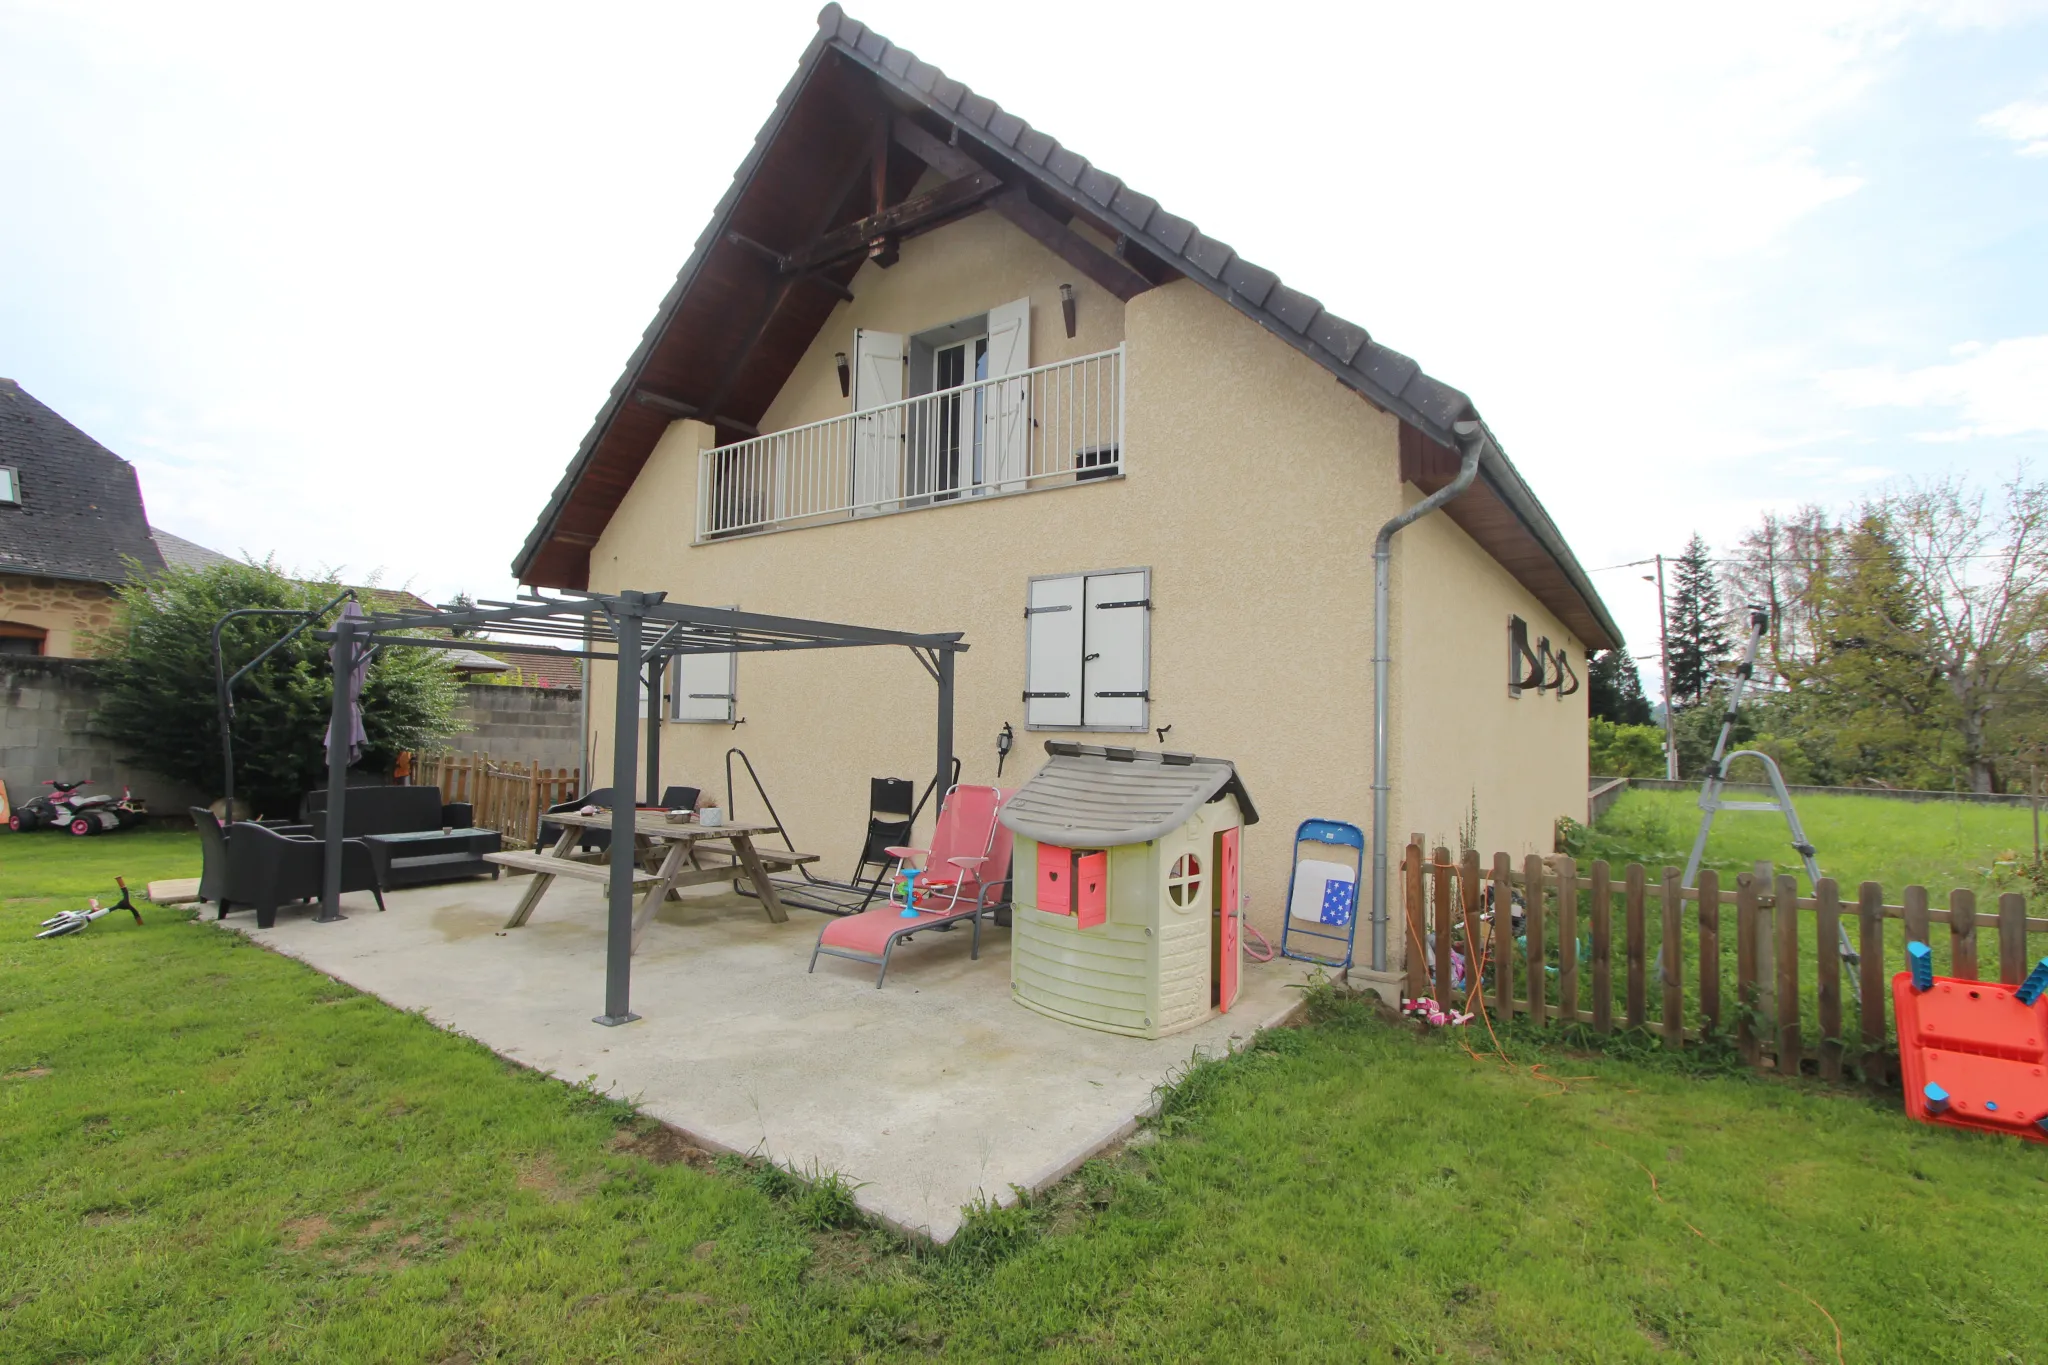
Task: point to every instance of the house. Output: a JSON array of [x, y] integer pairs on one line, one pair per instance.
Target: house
[[72, 527], [927, 368]]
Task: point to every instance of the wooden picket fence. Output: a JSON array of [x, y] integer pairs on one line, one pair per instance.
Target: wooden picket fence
[[507, 797], [1778, 986]]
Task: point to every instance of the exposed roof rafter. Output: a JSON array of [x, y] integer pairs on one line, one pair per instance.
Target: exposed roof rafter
[[851, 76]]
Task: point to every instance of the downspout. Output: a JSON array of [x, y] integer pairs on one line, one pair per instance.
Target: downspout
[[1472, 437]]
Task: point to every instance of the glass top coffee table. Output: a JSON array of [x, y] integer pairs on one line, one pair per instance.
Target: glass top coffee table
[[418, 856]]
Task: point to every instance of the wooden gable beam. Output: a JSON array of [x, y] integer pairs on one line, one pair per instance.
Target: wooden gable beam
[[1070, 246], [778, 291], [781, 264], [647, 396], [941, 205], [1014, 204]]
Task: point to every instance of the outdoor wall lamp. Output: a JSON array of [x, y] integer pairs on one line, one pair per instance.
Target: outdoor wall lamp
[[1067, 308], [845, 379]]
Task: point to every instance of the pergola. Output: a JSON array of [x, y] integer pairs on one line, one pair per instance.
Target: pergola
[[640, 630]]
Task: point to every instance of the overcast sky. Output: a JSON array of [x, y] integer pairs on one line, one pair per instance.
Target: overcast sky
[[347, 285]]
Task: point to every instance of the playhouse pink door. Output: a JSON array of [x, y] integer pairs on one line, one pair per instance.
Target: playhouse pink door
[[1091, 889], [1055, 879], [1227, 900]]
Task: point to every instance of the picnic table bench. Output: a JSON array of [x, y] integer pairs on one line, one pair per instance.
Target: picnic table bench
[[679, 866]]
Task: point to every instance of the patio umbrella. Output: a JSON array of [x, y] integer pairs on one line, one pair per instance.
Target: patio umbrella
[[354, 682]]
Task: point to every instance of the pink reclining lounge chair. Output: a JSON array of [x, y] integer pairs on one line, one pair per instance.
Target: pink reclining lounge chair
[[964, 872]]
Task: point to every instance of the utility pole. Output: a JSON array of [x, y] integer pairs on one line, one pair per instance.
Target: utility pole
[[1664, 661]]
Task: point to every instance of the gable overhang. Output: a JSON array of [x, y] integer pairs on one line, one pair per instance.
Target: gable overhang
[[858, 126]]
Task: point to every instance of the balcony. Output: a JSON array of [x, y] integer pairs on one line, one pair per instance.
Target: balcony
[[1051, 427]]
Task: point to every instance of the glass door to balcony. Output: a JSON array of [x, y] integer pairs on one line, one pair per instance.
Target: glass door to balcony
[[948, 452]]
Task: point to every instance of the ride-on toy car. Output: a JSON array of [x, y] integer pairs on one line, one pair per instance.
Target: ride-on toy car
[[64, 808]]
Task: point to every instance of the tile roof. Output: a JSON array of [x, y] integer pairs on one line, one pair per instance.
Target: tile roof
[[544, 669], [1387, 378], [81, 514], [180, 553]]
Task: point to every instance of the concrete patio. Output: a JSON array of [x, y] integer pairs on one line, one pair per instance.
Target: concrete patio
[[932, 1092]]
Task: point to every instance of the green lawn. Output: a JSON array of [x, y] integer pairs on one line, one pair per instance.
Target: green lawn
[[54, 863], [210, 1152], [1938, 845]]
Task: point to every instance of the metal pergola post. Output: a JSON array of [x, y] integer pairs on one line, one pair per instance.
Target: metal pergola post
[[656, 664], [618, 947], [945, 670], [337, 771]]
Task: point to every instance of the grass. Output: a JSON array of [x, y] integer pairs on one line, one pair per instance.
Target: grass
[[1938, 845], [211, 1152], [54, 863]]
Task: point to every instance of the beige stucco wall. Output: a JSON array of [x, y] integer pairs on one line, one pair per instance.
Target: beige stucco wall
[[66, 609], [1459, 736], [960, 270], [1254, 486]]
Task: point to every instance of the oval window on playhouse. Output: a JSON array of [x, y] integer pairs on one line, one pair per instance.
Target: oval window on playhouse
[[1088, 651]]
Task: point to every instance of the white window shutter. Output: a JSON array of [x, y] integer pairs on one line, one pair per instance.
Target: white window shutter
[[1006, 412], [702, 687], [877, 440], [1052, 672], [1114, 648]]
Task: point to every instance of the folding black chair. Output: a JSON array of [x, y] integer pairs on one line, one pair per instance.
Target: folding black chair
[[892, 804]]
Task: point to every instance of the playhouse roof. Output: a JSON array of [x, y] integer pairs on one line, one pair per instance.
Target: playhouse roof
[[1101, 797]]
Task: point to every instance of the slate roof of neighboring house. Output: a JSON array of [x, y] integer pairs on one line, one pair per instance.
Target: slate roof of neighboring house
[[180, 553], [1501, 511], [81, 514]]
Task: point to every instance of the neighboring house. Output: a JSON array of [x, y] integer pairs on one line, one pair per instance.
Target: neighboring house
[[928, 369], [71, 521], [560, 672], [72, 526]]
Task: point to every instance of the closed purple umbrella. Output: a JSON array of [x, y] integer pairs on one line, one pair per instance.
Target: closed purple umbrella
[[357, 736]]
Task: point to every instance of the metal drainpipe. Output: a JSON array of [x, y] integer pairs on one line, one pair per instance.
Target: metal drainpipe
[[1472, 436]]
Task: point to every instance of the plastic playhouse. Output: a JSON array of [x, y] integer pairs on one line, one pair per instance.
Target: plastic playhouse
[[1127, 895], [1973, 1054]]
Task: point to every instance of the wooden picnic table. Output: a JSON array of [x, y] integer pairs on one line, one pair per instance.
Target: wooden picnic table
[[678, 866]]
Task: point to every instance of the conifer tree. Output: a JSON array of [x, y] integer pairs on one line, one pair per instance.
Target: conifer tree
[[1696, 627], [1614, 689]]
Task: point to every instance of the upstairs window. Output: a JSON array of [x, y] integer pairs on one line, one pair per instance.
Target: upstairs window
[[10, 488], [1088, 643]]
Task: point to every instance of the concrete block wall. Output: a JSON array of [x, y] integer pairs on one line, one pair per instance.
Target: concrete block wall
[[541, 725], [46, 708]]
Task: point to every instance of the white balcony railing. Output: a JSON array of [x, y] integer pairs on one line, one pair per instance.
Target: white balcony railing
[[1058, 424]]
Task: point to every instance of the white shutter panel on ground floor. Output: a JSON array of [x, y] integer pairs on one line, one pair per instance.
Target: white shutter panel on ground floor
[[1113, 651], [1052, 649], [702, 687]]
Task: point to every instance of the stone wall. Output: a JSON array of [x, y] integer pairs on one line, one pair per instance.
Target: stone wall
[[46, 705], [64, 608], [521, 724]]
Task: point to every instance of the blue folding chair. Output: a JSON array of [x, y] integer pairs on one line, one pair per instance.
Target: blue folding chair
[[1322, 902]]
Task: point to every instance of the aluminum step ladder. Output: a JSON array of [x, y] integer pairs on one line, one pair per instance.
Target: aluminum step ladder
[[1713, 803]]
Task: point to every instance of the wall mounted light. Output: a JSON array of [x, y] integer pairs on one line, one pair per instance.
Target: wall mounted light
[[845, 378], [1067, 307]]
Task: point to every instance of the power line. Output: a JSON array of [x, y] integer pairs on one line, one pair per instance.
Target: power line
[[1807, 561]]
